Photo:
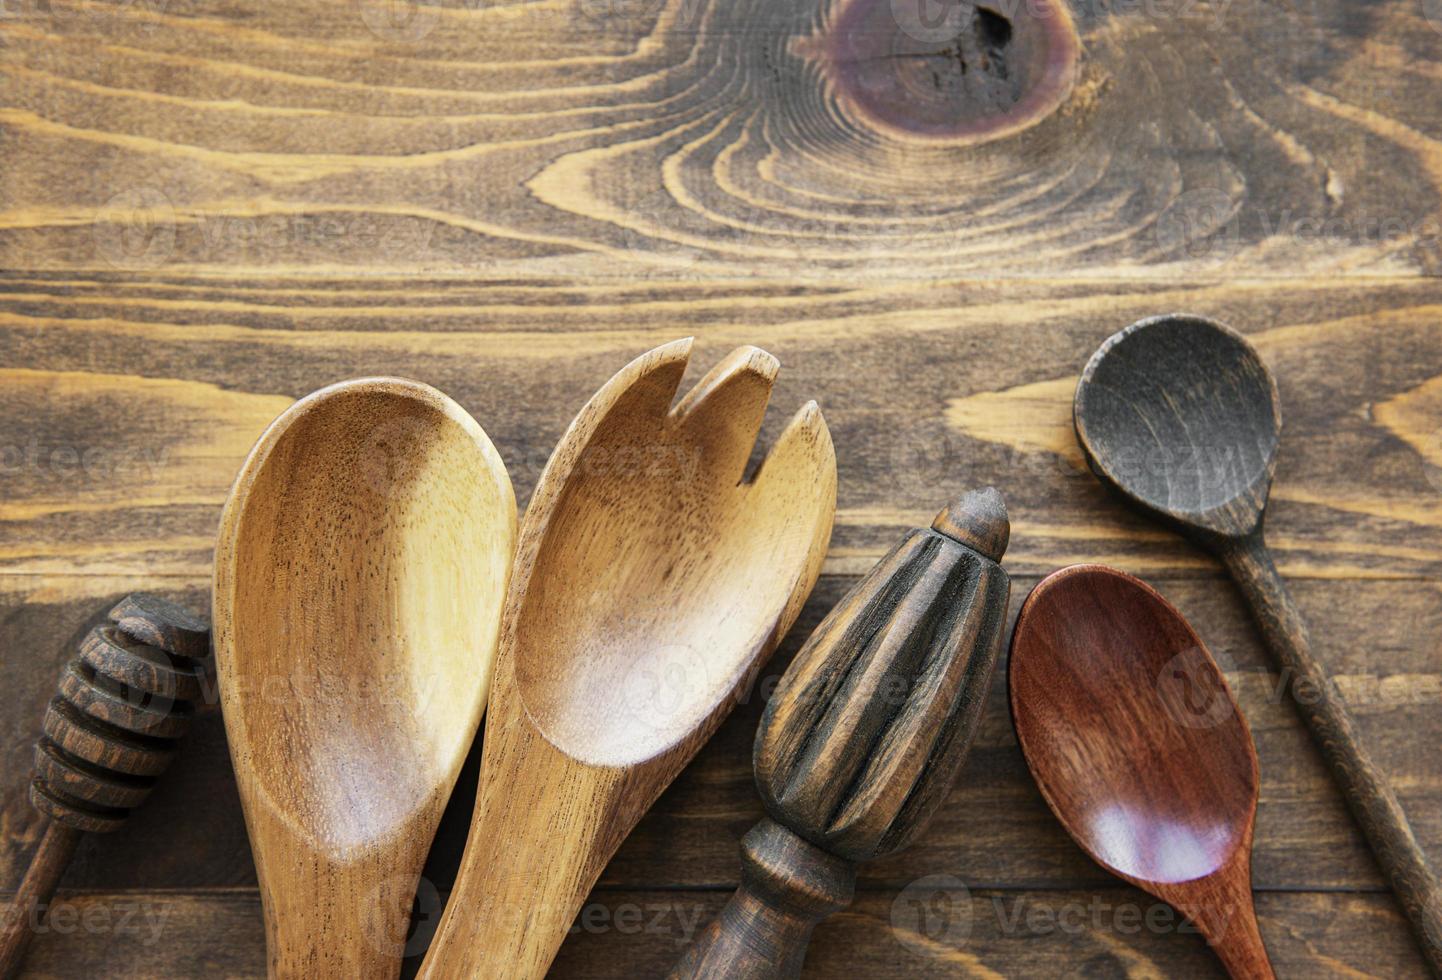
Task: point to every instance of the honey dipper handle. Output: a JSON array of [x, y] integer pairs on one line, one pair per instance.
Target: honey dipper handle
[[787, 886], [34, 894], [1363, 785]]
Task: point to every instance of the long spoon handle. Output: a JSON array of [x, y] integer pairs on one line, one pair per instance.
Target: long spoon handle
[[1238, 940], [1364, 786], [545, 826]]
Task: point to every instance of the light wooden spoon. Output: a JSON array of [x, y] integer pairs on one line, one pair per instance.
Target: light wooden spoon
[[651, 582], [362, 562]]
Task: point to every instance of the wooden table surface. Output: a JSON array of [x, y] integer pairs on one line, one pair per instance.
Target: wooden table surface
[[209, 208]]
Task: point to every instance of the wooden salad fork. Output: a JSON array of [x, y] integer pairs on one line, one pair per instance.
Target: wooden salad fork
[[651, 582]]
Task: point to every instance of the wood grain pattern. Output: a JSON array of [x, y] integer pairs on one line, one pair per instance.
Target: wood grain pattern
[[938, 415], [993, 831], [622, 934], [1139, 749], [206, 213], [1305, 838], [1180, 416], [620, 136]]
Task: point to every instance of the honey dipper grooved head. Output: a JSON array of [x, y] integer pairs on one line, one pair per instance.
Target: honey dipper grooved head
[[124, 701]]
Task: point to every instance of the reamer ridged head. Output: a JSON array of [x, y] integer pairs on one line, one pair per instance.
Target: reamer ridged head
[[872, 721]]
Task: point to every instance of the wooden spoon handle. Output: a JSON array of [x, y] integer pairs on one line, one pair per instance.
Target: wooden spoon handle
[[1220, 906], [1364, 786], [34, 894], [545, 826], [1240, 947], [787, 886]]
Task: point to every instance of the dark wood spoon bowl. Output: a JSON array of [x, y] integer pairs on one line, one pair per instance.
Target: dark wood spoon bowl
[[1134, 739], [1180, 415], [1181, 418]]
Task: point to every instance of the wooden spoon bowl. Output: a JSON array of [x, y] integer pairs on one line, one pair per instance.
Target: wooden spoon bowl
[[682, 555], [362, 562], [1134, 739], [1182, 417], [652, 580]]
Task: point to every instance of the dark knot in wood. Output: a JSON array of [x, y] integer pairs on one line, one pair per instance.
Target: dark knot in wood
[[952, 69]]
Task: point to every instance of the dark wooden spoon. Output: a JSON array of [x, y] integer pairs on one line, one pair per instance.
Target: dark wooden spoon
[[1179, 415], [1139, 749]]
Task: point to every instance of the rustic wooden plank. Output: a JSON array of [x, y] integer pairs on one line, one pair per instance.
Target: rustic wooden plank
[[598, 137], [204, 217], [123, 424], [994, 829], [1108, 932]]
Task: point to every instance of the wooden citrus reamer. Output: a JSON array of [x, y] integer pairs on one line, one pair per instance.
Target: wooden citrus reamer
[[124, 701], [864, 736]]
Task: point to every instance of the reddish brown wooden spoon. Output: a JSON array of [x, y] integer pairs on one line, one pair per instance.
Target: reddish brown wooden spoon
[[1130, 731]]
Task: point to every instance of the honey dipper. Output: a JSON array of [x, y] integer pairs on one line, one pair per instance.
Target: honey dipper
[[110, 731]]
